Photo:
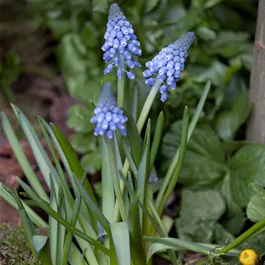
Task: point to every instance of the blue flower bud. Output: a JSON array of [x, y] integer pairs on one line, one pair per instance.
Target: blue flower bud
[[108, 116], [130, 75], [168, 64], [163, 97], [120, 42]]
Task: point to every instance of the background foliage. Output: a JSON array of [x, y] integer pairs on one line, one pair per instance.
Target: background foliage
[[219, 164]]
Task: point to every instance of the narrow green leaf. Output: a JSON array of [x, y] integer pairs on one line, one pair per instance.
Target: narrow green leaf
[[45, 206], [53, 225], [21, 158], [156, 140], [39, 242], [134, 138], [95, 211], [72, 159], [108, 198], [144, 168], [27, 223], [121, 239], [177, 244], [5, 193], [129, 157], [69, 237], [136, 236]]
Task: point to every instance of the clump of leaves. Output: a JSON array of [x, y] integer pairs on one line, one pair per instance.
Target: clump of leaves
[[14, 248]]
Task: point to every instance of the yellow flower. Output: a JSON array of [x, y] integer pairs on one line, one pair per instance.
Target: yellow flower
[[249, 257]]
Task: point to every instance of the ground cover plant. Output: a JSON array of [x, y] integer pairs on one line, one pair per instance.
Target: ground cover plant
[[124, 223]]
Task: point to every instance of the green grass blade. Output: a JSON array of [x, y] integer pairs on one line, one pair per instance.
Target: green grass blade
[[21, 158], [121, 240]]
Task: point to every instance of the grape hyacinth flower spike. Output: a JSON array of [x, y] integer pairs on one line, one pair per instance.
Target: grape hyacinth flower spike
[[168, 64], [108, 116], [121, 44]]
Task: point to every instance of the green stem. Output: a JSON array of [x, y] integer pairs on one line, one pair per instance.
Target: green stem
[[115, 178], [246, 235], [140, 124], [147, 106], [121, 82]]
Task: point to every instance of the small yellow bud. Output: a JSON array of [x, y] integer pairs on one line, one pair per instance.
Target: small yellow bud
[[249, 257]]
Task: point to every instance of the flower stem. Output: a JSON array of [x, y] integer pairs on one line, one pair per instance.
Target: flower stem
[[246, 235], [147, 106], [121, 82]]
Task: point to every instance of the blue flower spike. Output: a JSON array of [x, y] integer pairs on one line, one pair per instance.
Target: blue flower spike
[[108, 116], [168, 64], [121, 45]]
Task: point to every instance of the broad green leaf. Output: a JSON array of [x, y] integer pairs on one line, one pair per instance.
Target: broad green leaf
[[256, 208], [83, 143], [198, 215], [221, 235], [234, 217], [100, 5], [247, 166], [228, 122], [215, 72], [206, 33], [91, 162], [79, 118], [228, 43], [79, 67], [204, 158], [151, 4], [121, 239]]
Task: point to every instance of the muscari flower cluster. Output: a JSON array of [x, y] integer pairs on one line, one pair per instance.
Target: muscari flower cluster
[[168, 64], [108, 116], [121, 44]]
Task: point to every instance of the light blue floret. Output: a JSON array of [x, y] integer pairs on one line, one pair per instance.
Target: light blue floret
[[168, 64], [120, 43], [108, 116]]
